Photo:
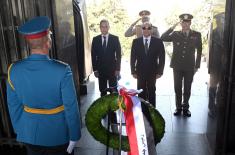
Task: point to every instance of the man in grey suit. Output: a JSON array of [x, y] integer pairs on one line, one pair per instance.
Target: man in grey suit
[[106, 57], [185, 44]]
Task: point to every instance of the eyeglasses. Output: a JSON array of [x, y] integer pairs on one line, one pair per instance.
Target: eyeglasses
[[146, 28]]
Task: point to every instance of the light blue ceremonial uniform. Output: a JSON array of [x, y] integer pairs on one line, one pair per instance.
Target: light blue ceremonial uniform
[[42, 83]]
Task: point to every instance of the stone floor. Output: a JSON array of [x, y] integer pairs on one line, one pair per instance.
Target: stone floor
[[183, 136]]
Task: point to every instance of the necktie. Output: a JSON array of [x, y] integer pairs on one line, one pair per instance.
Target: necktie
[[146, 46], [104, 43]]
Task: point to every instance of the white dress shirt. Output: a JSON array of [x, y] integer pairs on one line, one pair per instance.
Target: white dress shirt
[[107, 38], [148, 38]]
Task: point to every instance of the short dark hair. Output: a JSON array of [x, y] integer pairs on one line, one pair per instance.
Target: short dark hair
[[104, 21]]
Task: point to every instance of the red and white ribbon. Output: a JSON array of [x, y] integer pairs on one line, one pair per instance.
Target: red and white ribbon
[[135, 127]]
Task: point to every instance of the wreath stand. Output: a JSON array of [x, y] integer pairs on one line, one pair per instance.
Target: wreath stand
[[113, 124], [105, 105]]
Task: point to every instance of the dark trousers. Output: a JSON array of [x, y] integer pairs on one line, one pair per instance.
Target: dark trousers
[[182, 80], [111, 81], [149, 88], [42, 150]]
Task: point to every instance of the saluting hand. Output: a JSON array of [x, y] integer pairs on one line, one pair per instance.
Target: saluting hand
[[136, 22], [173, 27]]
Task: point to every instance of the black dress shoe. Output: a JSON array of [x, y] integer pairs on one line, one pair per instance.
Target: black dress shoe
[[177, 112], [186, 113]]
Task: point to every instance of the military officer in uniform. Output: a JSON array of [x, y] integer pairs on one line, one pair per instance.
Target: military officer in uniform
[[186, 43], [41, 96], [135, 29]]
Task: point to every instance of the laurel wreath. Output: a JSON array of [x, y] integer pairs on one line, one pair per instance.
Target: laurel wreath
[[102, 106]]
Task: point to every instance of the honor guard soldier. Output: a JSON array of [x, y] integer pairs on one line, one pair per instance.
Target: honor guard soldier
[[41, 96], [137, 29], [186, 43]]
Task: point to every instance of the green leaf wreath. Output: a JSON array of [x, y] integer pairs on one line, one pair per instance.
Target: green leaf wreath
[[102, 106]]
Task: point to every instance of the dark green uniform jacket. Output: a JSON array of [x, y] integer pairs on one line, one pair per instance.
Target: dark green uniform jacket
[[184, 48]]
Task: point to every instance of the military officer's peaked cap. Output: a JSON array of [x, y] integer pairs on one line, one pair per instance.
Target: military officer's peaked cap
[[36, 27], [186, 17], [144, 13]]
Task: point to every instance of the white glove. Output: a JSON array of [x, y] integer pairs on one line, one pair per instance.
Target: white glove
[[71, 146]]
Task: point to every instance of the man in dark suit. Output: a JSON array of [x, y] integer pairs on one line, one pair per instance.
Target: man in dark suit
[[147, 62], [185, 43], [106, 57]]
